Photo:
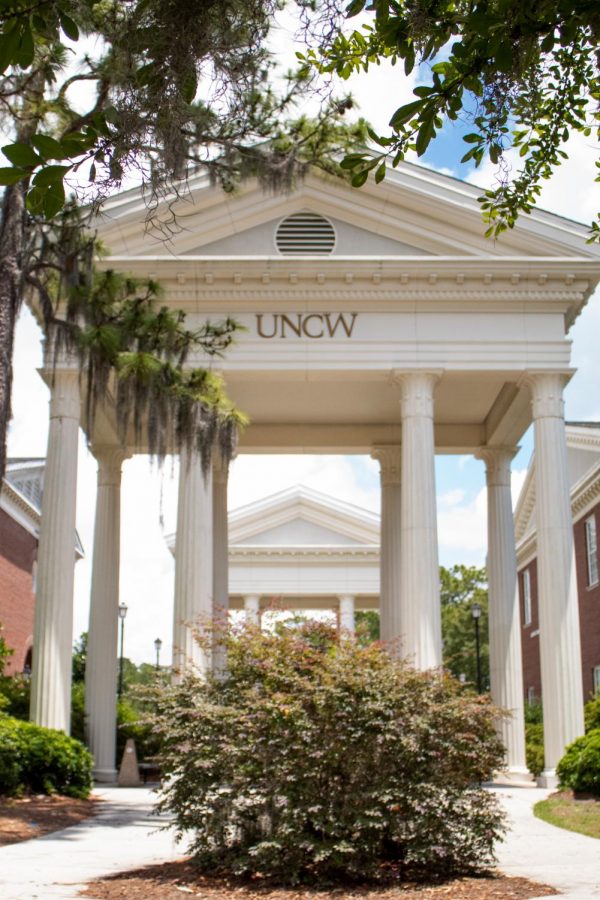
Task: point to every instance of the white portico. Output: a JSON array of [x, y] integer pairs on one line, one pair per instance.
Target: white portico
[[302, 550], [379, 322]]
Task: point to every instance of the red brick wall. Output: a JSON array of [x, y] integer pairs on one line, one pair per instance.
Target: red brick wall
[[530, 641], [18, 551], [589, 605]]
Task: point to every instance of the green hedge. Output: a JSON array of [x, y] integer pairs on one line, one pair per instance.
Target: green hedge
[[312, 761], [41, 760], [579, 769]]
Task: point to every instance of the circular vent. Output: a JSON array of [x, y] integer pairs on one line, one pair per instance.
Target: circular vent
[[305, 233]]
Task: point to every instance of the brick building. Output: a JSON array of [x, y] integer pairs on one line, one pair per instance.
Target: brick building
[[20, 506], [583, 458]]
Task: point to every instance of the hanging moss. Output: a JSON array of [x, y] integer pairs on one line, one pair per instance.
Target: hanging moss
[[132, 351]]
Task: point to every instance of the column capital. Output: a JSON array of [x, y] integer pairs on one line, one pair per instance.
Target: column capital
[[416, 390], [65, 401], [346, 598], [497, 464], [546, 388], [110, 458], [389, 457]]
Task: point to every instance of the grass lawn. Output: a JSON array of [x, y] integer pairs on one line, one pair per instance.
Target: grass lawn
[[574, 815]]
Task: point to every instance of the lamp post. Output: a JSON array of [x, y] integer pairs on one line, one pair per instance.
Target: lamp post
[[157, 646], [476, 613], [122, 614]]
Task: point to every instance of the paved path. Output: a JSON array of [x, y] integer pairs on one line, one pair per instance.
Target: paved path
[[565, 860], [124, 836]]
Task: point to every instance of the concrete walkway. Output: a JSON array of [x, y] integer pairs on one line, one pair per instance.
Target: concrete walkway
[[124, 836], [565, 860]]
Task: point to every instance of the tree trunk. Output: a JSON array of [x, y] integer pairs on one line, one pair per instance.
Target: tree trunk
[[12, 234]]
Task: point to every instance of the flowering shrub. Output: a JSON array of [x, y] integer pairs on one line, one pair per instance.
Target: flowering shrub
[[312, 761]]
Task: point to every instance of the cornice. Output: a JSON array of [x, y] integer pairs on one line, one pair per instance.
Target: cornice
[[20, 509], [584, 439], [259, 553], [585, 494]]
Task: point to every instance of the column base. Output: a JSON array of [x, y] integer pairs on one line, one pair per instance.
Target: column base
[[105, 776], [515, 776], [548, 779]]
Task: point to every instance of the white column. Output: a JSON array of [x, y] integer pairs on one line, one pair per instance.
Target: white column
[[252, 609], [53, 627], [101, 663], [347, 614], [560, 647], [193, 606], [506, 669], [419, 567], [390, 464], [220, 560]]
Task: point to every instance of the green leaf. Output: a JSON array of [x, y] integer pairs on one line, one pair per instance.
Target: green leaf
[[352, 160], [359, 179], [35, 200], [354, 8], [380, 173], [9, 43], [54, 199], [10, 174], [47, 146], [472, 138], [50, 175], [404, 113], [426, 132], [24, 57], [69, 26], [21, 155]]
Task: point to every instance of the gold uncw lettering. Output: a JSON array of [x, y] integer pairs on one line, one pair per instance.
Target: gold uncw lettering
[[348, 328], [296, 327], [305, 325], [261, 334], [299, 325]]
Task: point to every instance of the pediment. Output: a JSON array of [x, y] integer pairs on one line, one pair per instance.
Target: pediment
[[300, 517], [297, 532], [414, 212], [350, 240]]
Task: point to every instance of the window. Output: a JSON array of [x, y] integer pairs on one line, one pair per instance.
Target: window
[[597, 679], [531, 698], [526, 598], [591, 542]]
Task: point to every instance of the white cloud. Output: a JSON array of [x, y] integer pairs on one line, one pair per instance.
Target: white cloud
[[462, 529]]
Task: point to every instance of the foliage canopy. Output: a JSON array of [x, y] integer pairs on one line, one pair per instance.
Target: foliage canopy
[[526, 76]]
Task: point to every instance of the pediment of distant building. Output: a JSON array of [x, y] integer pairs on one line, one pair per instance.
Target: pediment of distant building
[[300, 517], [583, 463]]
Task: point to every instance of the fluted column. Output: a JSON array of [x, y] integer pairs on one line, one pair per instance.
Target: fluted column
[[419, 567], [252, 609], [390, 464], [560, 649], [347, 614], [101, 663], [53, 627], [506, 669], [193, 605], [220, 559]]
